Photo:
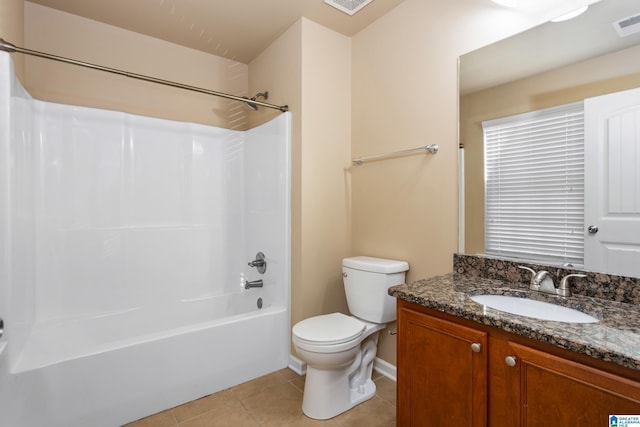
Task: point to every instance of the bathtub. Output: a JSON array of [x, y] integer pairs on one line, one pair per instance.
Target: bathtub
[[124, 249], [114, 368]]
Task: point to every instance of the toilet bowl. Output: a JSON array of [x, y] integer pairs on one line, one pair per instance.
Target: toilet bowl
[[339, 350]]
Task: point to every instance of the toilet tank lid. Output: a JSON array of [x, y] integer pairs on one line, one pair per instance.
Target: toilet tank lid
[[375, 265]]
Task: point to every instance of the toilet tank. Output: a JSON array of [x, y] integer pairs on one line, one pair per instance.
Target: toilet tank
[[366, 284]]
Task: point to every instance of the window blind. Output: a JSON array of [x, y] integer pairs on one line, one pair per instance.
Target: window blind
[[534, 185]]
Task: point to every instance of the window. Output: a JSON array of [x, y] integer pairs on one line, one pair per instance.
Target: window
[[534, 185]]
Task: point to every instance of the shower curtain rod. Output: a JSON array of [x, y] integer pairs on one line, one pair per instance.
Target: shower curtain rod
[[11, 48]]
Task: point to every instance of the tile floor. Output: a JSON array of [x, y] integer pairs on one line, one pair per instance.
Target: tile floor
[[270, 401]]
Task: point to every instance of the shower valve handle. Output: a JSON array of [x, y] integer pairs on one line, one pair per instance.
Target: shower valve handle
[[259, 263]]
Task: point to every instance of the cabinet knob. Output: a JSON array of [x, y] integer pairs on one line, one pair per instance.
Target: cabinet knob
[[510, 361], [476, 347]]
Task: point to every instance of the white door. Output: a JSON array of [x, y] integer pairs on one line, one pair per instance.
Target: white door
[[612, 183]]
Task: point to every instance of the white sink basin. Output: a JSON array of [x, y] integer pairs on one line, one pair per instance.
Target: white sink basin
[[532, 308]]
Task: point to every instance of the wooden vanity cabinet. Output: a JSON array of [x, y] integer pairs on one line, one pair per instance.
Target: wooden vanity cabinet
[[545, 387], [442, 372], [444, 378]]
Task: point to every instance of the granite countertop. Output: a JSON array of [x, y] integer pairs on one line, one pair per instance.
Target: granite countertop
[[616, 338]]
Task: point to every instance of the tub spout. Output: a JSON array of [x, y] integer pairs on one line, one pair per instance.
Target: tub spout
[[253, 284]]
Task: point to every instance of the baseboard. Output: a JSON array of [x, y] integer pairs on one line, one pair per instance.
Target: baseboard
[[385, 368], [297, 365], [379, 365]]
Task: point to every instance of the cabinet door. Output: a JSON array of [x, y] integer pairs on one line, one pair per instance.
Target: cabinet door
[[549, 390], [442, 372]]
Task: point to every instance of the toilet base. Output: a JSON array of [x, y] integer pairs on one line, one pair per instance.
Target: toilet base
[[366, 392], [327, 394], [330, 392]]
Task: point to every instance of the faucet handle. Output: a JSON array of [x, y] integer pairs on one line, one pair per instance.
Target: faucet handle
[[532, 284], [259, 263], [533, 272], [564, 284], [528, 269]]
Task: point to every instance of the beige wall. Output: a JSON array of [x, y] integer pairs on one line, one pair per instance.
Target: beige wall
[[325, 155], [311, 64], [404, 96], [279, 69], [12, 30], [561, 86], [94, 42]]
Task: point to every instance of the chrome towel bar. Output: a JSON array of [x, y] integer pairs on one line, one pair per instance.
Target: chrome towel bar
[[433, 149]]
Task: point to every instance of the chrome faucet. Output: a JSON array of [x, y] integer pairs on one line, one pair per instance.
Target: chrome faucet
[[253, 284], [543, 282]]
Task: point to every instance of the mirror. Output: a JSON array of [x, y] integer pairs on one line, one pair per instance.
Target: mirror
[[550, 65]]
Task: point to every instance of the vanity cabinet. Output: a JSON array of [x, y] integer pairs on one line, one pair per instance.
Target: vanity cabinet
[[544, 387], [442, 372], [453, 371]]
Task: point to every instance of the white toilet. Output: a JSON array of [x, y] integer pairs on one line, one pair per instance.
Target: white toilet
[[338, 349]]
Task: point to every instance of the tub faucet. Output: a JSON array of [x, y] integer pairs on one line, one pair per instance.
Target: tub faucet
[[253, 284]]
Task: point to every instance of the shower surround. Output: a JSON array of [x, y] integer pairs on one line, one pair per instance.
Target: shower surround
[[124, 249]]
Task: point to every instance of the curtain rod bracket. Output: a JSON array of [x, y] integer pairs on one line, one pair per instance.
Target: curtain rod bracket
[[6, 46]]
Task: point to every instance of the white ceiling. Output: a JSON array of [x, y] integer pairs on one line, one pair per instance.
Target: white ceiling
[[241, 29], [234, 29], [548, 46]]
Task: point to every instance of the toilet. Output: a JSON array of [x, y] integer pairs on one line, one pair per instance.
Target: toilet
[[339, 350]]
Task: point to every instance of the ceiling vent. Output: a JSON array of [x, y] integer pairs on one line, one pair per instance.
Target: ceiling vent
[[348, 6], [627, 26]]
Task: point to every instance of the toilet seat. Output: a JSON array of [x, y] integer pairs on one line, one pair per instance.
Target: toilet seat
[[328, 330]]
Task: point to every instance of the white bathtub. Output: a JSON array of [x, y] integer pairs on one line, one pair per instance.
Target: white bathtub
[[124, 246], [110, 369]]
